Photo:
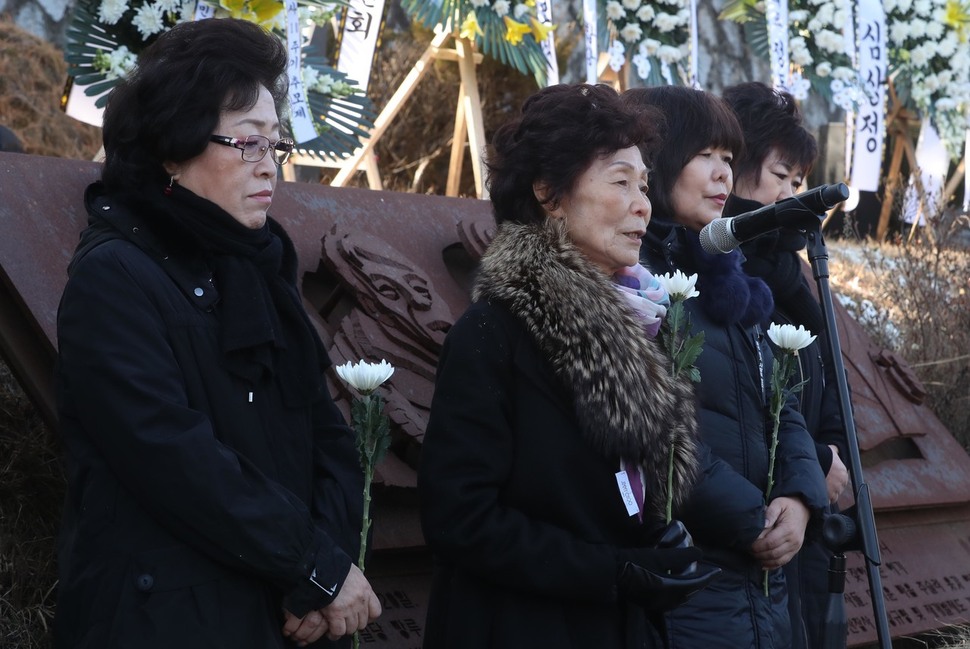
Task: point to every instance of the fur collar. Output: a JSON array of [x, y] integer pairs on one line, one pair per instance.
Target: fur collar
[[626, 403]]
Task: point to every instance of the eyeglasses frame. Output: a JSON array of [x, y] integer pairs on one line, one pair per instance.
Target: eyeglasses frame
[[240, 143]]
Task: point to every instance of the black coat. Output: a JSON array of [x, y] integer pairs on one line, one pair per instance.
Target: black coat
[[519, 502], [196, 500], [774, 258], [726, 512]]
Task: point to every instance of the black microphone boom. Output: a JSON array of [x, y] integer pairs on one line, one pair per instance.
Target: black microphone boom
[[803, 210]]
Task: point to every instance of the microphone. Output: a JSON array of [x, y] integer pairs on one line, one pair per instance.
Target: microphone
[[723, 235]]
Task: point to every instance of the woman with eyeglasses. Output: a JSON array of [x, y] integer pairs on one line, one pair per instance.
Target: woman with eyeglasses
[[214, 492]]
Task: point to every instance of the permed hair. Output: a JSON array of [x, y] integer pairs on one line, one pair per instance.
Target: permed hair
[[692, 120], [168, 107], [770, 119], [561, 130]]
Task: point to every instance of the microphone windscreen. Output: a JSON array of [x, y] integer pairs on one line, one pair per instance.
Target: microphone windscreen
[[717, 238]]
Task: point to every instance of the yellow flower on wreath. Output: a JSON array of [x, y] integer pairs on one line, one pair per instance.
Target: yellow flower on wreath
[[470, 28], [540, 31], [516, 30], [262, 12], [958, 17]]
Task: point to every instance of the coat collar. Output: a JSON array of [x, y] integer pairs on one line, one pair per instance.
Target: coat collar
[[626, 404]]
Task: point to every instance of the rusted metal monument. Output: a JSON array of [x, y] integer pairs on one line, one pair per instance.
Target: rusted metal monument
[[387, 273]]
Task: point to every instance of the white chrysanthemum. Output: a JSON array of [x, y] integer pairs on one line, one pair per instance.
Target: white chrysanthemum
[[650, 46], [800, 87], [665, 22], [923, 8], [917, 29], [521, 11], [843, 73], [646, 13], [678, 285], [614, 10], [797, 16], [111, 11], [904, 6], [948, 46], [642, 62], [630, 5], [898, 33], [669, 54], [889, 6], [617, 54], [169, 6], [365, 377], [631, 32], [801, 57], [478, 4], [788, 338], [946, 103], [148, 20], [823, 69], [830, 41], [501, 7]]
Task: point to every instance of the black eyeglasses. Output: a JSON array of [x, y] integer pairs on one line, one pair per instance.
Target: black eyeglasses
[[254, 147]]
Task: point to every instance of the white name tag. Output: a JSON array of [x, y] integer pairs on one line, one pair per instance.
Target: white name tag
[[626, 493]]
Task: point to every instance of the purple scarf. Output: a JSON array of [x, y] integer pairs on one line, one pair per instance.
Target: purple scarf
[[645, 296]]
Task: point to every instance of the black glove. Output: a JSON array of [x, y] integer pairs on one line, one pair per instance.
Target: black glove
[[663, 577]]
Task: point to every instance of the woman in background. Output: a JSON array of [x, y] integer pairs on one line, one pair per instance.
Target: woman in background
[[741, 529], [543, 470], [778, 155]]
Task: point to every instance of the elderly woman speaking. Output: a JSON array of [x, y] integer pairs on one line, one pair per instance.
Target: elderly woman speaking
[[543, 470], [214, 494]]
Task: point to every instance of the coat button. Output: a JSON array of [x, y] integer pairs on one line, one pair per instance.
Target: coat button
[[198, 292], [144, 582]]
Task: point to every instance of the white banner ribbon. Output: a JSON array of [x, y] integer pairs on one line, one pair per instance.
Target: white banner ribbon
[[870, 120], [300, 118], [776, 14], [548, 45], [592, 55], [694, 80], [358, 40]]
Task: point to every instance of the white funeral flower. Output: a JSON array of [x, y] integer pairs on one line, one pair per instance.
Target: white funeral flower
[[111, 11], [797, 15], [679, 286], [614, 10], [665, 22], [631, 5], [148, 20], [898, 33], [521, 10], [631, 32], [788, 338], [669, 54], [823, 69], [646, 13], [478, 4], [650, 46], [365, 377], [501, 7]]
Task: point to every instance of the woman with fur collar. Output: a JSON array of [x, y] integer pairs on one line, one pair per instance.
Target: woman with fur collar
[[727, 513], [543, 470]]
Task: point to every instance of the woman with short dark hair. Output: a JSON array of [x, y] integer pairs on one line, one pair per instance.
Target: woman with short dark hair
[[543, 470], [779, 154], [739, 527], [214, 491]]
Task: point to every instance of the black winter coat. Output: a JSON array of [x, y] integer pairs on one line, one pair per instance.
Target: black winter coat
[[196, 501], [521, 509], [726, 512], [774, 258]]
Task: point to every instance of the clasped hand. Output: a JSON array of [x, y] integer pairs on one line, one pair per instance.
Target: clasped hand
[[355, 606], [785, 522]]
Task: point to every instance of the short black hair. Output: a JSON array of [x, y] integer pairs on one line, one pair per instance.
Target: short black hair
[[693, 120], [770, 119], [561, 130], [168, 107]]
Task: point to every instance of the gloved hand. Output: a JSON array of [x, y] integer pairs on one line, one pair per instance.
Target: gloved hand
[[663, 577]]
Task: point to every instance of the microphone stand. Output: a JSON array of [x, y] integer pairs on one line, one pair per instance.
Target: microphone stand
[[864, 522]]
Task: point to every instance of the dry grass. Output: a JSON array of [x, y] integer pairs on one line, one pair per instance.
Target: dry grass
[[31, 495], [913, 297]]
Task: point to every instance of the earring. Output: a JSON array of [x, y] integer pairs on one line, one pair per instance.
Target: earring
[[171, 183]]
